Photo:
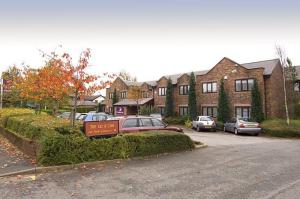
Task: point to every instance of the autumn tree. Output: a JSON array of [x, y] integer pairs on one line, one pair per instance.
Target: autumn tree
[[135, 93], [11, 96], [79, 82]]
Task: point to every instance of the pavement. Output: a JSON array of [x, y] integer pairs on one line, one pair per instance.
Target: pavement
[[231, 167], [12, 159]]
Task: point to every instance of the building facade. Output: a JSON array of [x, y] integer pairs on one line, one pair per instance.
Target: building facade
[[238, 82]]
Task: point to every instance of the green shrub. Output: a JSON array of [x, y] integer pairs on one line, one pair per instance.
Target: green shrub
[[176, 120], [279, 128], [297, 110], [220, 125], [69, 149], [188, 123]]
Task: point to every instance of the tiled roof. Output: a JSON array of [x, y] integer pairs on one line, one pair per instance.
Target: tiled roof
[[132, 102], [268, 65]]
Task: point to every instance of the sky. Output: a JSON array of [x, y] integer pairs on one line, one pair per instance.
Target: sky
[[150, 38]]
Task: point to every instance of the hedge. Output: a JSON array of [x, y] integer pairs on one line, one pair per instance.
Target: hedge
[[60, 143], [61, 149], [279, 128], [176, 120]]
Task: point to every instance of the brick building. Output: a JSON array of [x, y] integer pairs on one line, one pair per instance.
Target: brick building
[[238, 81]]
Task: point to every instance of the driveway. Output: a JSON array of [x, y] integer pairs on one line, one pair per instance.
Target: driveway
[[227, 139], [260, 169]]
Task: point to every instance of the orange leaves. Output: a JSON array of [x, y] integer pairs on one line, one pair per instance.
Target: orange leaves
[[60, 78]]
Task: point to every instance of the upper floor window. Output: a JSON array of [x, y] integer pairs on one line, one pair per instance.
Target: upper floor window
[[162, 91], [145, 94], [297, 86], [111, 95], [123, 94], [184, 89], [244, 85], [209, 87]]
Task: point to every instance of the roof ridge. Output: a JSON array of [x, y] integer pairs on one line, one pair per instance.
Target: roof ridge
[[260, 61]]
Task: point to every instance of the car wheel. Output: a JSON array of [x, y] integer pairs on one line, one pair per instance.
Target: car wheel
[[236, 131], [198, 128]]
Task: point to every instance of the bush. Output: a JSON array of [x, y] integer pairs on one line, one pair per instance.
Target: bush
[[69, 149], [219, 125], [176, 120], [279, 128], [188, 123]]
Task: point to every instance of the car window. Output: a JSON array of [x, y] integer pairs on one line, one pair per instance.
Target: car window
[[146, 122], [98, 117], [206, 119], [157, 123], [128, 123]]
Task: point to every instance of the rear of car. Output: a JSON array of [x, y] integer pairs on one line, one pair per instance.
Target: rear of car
[[246, 127], [204, 123], [242, 126]]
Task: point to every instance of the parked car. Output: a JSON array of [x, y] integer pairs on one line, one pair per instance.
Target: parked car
[[95, 117], [204, 123], [242, 126], [143, 123], [65, 115], [156, 115], [81, 116]]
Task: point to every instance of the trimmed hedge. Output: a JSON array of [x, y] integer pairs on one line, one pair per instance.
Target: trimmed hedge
[[60, 143], [279, 128], [176, 120], [62, 149]]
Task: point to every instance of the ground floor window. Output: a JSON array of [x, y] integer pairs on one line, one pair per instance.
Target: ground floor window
[[211, 111], [183, 110], [242, 112], [161, 110]]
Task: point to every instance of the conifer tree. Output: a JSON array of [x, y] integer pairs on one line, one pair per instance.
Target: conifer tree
[[169, 100], [256, 105], [192, 97], [223, 107]]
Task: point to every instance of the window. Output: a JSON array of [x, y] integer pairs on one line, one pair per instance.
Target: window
[[297, 87], [145, 94], [183, 110], [184, 90], [111, 95], [110, 109], [161, 110], [242, 112], [123, 94], [210, 111], [157, 123], [145, 122], [98, 117], [129, 123], [209, 87], [244, 85], [162, 91]]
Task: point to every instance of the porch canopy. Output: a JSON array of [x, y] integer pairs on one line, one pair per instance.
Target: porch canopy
[[133, 102]]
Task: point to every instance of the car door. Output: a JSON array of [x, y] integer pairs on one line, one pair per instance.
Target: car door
[[130, 125]]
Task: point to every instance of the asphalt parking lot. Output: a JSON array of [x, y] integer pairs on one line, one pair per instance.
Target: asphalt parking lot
[[221, 138]]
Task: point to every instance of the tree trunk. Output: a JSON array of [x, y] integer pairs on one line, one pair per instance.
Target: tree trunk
[[285, 98], [74, 110]]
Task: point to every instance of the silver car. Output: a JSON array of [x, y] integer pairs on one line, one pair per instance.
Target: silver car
[[242, 126]]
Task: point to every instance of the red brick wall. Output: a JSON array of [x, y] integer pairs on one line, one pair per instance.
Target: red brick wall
[[228, 68]]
